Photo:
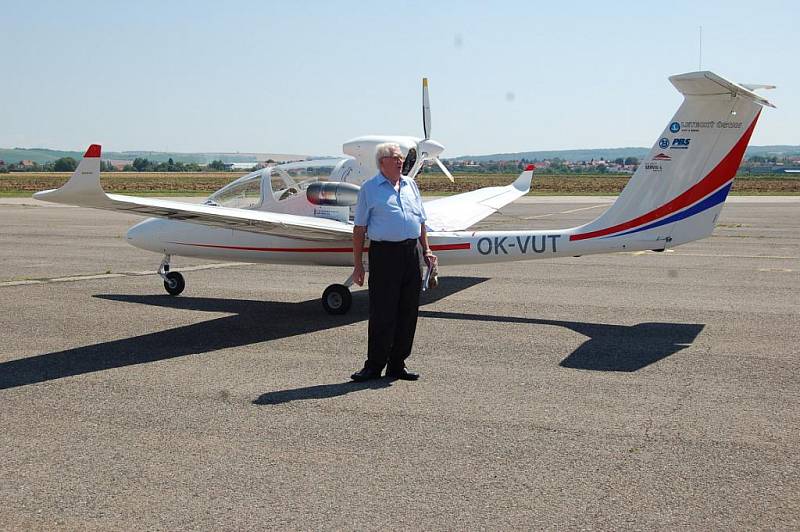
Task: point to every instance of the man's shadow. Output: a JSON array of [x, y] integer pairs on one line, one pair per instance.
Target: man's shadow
[[250, 322], [320, 391]]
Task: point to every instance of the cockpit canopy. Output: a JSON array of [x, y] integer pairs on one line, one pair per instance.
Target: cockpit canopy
[[282, 181]]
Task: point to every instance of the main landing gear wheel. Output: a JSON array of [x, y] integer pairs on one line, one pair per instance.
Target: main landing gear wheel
[[174, 283], [336, 299]]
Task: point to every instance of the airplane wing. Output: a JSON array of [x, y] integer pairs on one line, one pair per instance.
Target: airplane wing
[[459, 212], [83, 190]]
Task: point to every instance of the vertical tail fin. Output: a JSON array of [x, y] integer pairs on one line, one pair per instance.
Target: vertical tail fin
[[678, 190]]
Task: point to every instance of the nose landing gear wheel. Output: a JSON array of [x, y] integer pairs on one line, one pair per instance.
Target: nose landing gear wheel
[[336, 299], [174, 283]]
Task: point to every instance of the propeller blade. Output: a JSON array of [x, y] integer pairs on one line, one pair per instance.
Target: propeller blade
[[426, 109], [444, 169], [412, 174]]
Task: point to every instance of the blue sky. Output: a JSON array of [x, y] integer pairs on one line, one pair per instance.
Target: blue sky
[[303, 77]]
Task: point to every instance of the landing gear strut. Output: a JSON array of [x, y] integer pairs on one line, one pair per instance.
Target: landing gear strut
[[337, 299], [173, 281]]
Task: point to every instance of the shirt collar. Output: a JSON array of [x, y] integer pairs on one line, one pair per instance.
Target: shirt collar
[[386, 179]]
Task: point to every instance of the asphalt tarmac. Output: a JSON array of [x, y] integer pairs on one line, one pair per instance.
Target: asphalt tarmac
[[628, 391]]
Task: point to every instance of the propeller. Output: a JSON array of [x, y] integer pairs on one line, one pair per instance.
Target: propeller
[[426, 109], [427, 148]]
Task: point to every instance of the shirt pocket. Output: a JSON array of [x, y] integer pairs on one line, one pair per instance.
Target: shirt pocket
[[415, 209], [415, 212], [391, 204]]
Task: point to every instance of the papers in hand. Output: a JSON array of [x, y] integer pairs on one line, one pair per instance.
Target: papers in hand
[[431, 279]]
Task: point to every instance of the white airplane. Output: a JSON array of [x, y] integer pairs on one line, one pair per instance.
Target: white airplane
[[301, 213]]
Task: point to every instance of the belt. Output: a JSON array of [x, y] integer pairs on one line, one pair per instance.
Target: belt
[[388, 243]]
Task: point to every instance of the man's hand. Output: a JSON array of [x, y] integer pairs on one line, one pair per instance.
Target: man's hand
[[359, 232], [358, 274], [431, 260]]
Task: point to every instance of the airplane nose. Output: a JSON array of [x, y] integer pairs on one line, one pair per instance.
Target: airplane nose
[[145, 235]]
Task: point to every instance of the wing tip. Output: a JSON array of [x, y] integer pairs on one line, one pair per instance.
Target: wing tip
[[530, 168]]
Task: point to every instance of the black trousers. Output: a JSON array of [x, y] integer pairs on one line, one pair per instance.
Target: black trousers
[[394, 287]]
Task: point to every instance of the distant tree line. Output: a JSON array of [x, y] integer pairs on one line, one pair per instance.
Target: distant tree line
[[561, 166], [144, 165], [69, 164], [556, 166], [64, 164], [761, 159], [141, 164]]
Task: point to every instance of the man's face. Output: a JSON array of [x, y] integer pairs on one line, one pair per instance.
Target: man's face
[[392, 165]]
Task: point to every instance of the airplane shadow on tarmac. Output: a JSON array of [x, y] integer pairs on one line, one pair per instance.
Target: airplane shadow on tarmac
[[609, 347], [250, 322]]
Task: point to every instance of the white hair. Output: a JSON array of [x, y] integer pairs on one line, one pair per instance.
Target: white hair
[[385, 150]]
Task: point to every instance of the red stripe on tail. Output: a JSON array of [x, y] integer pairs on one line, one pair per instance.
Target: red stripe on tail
[[721, 174]]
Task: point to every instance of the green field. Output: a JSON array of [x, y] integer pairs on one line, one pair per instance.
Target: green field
[[21, 184]]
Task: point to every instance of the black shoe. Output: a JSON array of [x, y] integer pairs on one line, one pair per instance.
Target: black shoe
[[366, 374], [402, 374]]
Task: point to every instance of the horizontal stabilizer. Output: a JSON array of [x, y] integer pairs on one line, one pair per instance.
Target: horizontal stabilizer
[[755, 86], [710, 84]]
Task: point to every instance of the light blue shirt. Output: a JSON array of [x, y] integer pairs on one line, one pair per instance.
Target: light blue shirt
[[390, 214]]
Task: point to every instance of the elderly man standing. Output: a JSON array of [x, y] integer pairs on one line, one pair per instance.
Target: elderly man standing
[[390, 212]]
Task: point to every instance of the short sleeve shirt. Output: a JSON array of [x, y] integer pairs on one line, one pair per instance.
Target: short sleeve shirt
[[389, 214]]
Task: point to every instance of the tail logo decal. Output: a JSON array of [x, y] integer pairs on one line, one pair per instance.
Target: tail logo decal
[[712, 190]]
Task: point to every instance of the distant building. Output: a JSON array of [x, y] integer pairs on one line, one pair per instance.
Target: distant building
[[770, 169], [241, 166], [119, 164]]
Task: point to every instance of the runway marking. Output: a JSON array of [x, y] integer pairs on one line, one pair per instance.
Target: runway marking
[[649, 252], [565, 212], [89, 277], [484, 225], [776, 257]]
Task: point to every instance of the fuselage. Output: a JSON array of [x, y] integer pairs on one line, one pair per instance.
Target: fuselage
[[178, 238]]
